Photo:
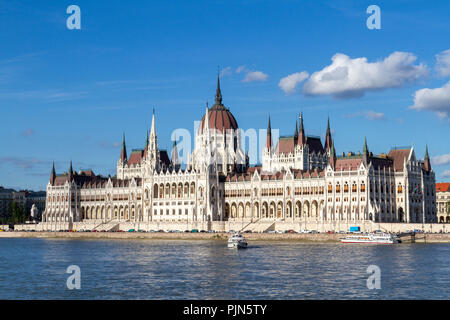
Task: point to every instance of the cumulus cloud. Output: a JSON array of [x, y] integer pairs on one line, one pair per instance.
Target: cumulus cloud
[[252, 76], [368, 114], [347, 78], [441, 160], [289, 84], [443, 63], [436, 100]]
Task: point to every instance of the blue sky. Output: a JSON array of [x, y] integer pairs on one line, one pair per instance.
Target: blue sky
[[70, 94]]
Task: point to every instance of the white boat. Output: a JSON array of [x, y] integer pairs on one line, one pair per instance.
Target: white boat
[[377, 238], [237, 241]]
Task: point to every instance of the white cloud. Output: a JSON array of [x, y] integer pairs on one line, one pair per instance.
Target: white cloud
[[369, 114], [441, 160], [289, 84], [445, 174], [346, 77], [225, 72], [252, 76], [241, 69], [443, 63], [436, 100]]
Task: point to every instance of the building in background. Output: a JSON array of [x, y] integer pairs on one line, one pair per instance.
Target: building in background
[[443, 202], [24, 198]]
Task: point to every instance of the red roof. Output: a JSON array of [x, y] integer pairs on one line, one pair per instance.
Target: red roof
[[442, 187], [350, 164], [220, 119], [399, 156], [136, 157]]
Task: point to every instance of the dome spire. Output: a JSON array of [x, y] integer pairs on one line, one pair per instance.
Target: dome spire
[[218, 92]]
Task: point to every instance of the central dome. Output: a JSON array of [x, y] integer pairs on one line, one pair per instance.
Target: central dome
[[219, 117]]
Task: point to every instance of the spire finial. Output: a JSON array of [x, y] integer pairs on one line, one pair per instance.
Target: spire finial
[[218, 92], [365, 148]]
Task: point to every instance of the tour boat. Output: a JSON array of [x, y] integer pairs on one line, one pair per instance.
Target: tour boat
[[237, 241], [377, 238]]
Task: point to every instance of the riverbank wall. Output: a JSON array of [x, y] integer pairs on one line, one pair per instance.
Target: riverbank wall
[[227, 226], [317, 238]]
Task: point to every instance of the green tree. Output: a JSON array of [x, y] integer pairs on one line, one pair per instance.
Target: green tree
[[17, 213]]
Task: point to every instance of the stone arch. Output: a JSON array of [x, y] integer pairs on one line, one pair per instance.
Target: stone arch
[[173, 194], [306, 209], [241, 210], [272, 209], [192, 190], [186, 190], [314, 209], [279, 212], [180, 190], [247, 210], [256, 210], [265, 210], [161, 191], [298, 209], [155, 191], [126, 213], [121, 213], [116, 212], [233, 210], [102, 216], [288, 210]]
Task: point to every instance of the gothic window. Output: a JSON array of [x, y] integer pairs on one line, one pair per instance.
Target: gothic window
[[363, 187]]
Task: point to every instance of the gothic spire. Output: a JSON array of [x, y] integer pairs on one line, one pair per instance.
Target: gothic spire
[[153, 129], [301, 140], [53, 174], [365, 148], [427, 163], [218, 92], [123, 153], [328, 136], [70, 171], [269, 137], [296, 131]]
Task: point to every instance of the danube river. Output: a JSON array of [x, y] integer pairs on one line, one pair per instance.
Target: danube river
[[173, 269]]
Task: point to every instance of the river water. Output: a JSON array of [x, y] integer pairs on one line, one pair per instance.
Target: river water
[[173, 269]]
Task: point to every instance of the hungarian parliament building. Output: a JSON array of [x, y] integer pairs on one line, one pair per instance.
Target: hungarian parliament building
[[300, 180]]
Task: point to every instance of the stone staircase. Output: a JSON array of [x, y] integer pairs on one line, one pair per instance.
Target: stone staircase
[[257, 226], [110, 225]]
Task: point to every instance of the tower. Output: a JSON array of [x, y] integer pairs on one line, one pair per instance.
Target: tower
[[301, 140]]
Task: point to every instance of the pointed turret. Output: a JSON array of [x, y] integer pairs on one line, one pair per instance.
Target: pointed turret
[[70, 171], [146, 145], [365, 148], [427, 163], [123, 153], [328, 136], [153, 129], [218, 92], [296, 131], [53, 174], [269, 137], [301, 140]]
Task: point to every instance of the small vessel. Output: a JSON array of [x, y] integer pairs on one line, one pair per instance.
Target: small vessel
[[376, 238], [237, 241]]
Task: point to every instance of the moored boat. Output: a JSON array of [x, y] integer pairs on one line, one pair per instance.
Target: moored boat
[[237, 241], [376, 238]]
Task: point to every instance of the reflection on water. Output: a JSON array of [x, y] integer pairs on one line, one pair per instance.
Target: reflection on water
[[149, 269]]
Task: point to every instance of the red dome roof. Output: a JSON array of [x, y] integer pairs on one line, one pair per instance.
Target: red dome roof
[[220, 119]]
